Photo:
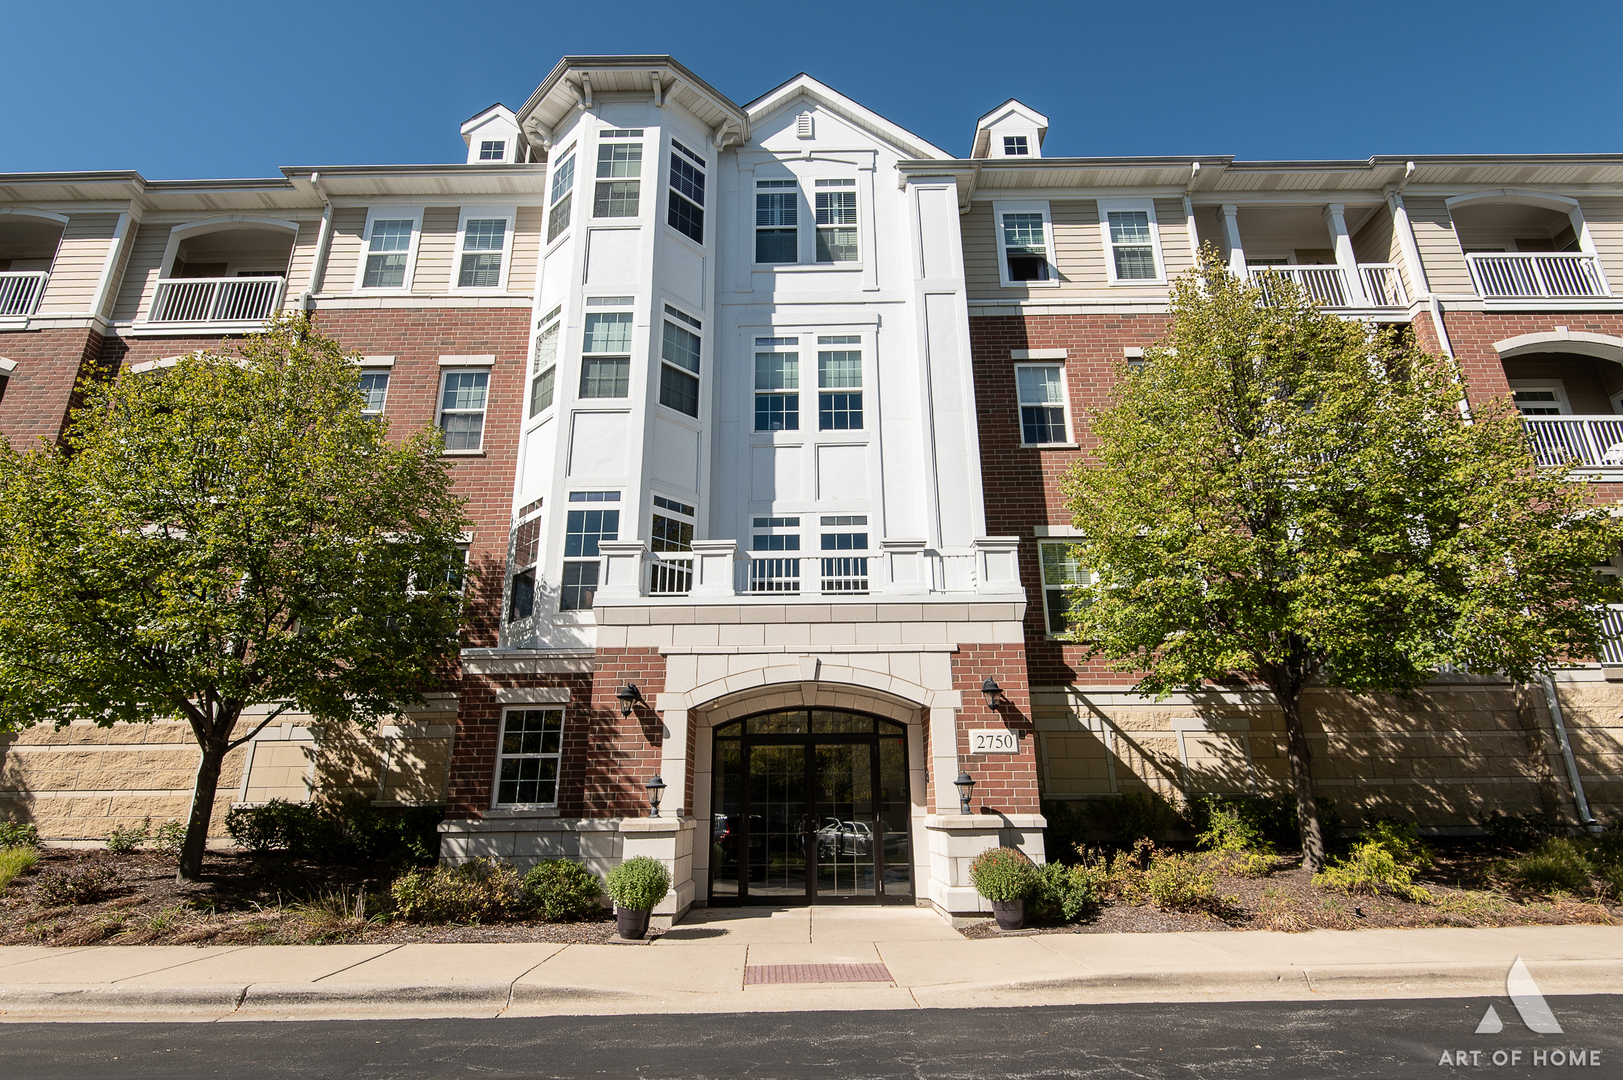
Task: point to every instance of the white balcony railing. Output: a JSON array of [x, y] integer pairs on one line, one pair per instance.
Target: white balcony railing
[[20, 291], [845, 575], [1611, 629], [1576, 441], [205, 300], [1554, 275], [669, 575], [1383, 286], [775, 576]]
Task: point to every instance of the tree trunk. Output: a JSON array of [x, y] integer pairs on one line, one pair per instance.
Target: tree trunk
[[197, 827], [1301, 760]]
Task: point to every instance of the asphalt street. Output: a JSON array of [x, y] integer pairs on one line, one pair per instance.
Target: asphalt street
[[1243, 1039]]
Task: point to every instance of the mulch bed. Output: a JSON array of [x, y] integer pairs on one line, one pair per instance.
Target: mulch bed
[[1462, 882]]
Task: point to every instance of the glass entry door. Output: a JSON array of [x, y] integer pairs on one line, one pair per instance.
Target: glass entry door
[[810, 807]]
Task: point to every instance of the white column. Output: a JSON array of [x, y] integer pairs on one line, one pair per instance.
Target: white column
[[1406, 243], [622, 569], [1335, 218], [715, 570], [1228, 218]]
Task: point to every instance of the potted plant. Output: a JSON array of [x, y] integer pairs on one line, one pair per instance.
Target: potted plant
[[636, 886], [1005, 877]]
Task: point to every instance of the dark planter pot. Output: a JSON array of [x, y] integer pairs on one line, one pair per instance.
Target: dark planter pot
[[633, 925], [1011, 914]]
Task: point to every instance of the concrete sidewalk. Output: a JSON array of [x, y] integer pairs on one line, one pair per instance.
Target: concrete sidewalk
[[717, 962]]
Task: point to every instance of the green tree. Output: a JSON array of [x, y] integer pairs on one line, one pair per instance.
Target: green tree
[[1280, 497], [224, 534]]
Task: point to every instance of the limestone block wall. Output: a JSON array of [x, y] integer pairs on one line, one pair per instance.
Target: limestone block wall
[[1461, 749]]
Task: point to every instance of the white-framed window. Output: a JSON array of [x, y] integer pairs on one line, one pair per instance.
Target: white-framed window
[[685, 213], [463, 396], [389, 247], [492, 149], [562, 195], [839, 382], [836, 212], [1045, 410], [777, 217], [619, 165], [605, 363], [530, 753], [374, 391], [775, 554], [587, 523], [1060, 571], [544, 362], [672, 532], [484, 241], [526, 556], [1025, 236], [1132, 241], [777, 384], [679, 370], [1542, 398], [1016, 146], [844, 553]]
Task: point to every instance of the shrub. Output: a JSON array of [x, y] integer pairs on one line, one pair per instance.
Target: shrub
[[561, 889], [639, 884], [1133, 816], [1179, 883], [14, 860], [1385, 860], [1273, 817], [18, 834], [482, 890], [1003, 873], [169, 838], [1065, 892], [337, 832], [1067, 831], [82, 884], [1609, 845], [1520, 831], [121, 841], [1229, 828], [1555, 866]]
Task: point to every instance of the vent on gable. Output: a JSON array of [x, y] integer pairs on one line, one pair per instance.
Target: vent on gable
[[803, 126]]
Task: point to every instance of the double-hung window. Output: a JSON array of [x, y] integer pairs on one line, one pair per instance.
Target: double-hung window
[[483, 258], [839, 383], [462, 409], [562, 195], [777, 217], [388, 252], [777, 384], [526, 554], [584, 528], [1044, 412], [1132, 241], [374, 391], [619, 163], [836, 220], [531, 749], [672, 532], [605, 363], [1026, 243], [686, 212], [679, 373], [775, 555], [544, 363], [1061, 572], [845, 560]]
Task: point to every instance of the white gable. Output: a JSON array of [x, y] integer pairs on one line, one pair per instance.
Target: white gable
[[1010, 130], [492, 137]]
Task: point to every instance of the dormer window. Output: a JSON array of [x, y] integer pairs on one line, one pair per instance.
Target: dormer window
[[1015, 146], [492, 149]]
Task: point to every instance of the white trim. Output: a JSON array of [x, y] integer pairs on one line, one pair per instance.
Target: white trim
[[467, 361], [396, 212], [7, 366], [1106, 206], [1000, 208], [509, 214], [1038, 354], [24, 211], [1042, 582], [1555, 386], [534, 695], [375, 361], [220, 224], [439, 405], [1065, 398], [496, 775], [1056, 532], [1563, 340], [1515, 195]]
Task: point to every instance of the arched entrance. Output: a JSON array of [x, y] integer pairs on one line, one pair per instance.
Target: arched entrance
[[810, 806]]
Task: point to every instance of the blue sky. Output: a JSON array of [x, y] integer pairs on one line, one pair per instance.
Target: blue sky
[[236, 89]]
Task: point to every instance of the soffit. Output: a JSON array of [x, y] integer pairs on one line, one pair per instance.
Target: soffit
[[563, 89]]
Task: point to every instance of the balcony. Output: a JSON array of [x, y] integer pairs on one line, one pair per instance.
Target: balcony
[[1382, 284], [20, 291], [216, 300], [1578, 442], [1545, 275]]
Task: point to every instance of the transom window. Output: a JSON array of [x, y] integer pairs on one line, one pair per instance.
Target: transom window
[[679, 373], [777, 216], [777, 384], [1025, 247], [618, 194], [484, 240], [462, 409], [1043, 409], [1060, 571], [836, 220], [531, 748], [583, 531], [839, 380], [563, 187], [374, 392], [606, 376], [686, 211], [492, 149], [388, 250], [1540, 398]]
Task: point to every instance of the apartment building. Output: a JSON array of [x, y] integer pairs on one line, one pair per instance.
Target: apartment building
[[758, 409]]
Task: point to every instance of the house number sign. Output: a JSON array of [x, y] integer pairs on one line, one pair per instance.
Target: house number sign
[[993, 741]]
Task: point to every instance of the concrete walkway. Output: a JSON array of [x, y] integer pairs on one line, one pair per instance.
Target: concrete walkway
[[716, 962]]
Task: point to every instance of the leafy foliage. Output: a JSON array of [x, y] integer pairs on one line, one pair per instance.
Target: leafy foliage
[[1003, 873], [1065, 892], [14, 860], [638, 884], [560, 889], [125, 840], [226, 533], [18, 834], [81, 884], [1385, 860], [1175, 882], [169, 838], [1520, 831], [483, 890], [1132, 816], [1555, 866], [333, 832]]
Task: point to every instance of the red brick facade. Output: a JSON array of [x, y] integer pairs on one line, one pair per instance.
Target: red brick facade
[[1004, 783], [40, 390]]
